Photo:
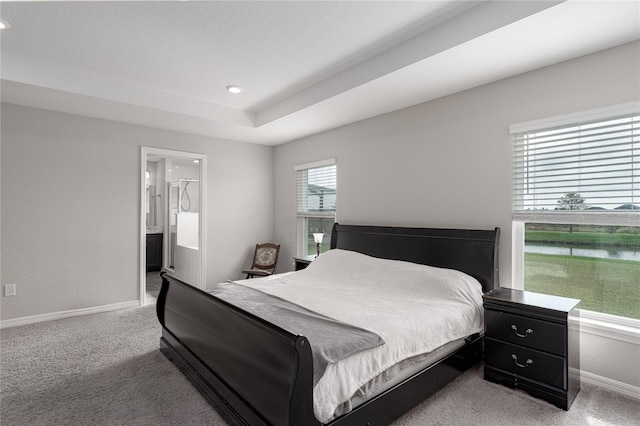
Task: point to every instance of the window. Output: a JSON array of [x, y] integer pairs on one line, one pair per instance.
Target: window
[[576, 208], [316, 204]]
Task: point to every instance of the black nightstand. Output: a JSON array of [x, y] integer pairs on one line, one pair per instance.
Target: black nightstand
[[532, 342], [303, 262]]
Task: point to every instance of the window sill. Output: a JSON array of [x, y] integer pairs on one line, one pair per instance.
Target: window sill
[[610, 326]]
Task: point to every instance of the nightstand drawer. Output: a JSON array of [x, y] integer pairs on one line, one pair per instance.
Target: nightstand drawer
[[536, 334], [540, 366], [302, 262]]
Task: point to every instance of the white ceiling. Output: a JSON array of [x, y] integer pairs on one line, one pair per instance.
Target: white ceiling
[[305, 67]]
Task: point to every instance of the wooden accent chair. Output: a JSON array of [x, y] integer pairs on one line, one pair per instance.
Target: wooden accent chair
[[265, 259]]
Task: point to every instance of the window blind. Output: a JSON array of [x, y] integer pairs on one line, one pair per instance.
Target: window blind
[[589, 167], [316, 190]]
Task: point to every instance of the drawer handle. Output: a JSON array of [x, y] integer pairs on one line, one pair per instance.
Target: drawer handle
[[515, 359], [515, 329]]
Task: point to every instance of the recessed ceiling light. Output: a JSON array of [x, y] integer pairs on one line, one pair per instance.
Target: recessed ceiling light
[[4, 24], [234, 89]]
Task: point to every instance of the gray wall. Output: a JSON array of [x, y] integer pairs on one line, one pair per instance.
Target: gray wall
[[447, 163], [71, 207]]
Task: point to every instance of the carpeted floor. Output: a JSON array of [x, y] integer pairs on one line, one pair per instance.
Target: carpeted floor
[[105, 369]]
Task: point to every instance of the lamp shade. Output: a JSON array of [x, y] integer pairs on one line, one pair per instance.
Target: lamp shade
[[317, 237]]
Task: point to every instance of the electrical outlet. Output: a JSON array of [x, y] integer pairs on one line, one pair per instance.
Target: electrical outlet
[[9, 290]]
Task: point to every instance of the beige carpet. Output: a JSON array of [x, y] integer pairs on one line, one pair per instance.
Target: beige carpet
[[105, 369]]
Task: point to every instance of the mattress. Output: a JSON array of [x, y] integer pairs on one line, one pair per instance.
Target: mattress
[[422, 313]]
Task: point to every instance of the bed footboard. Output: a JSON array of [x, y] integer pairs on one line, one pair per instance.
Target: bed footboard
[[253, 371]]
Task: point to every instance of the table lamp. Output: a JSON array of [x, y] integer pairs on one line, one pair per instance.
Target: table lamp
[[317, 237]]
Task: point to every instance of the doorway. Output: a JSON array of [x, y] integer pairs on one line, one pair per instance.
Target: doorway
[[172, 219]]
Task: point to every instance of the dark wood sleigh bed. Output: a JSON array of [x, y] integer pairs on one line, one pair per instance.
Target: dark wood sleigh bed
[[257, 373]]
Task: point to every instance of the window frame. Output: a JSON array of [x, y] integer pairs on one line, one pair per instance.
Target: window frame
[[302, 218], [599, 323]]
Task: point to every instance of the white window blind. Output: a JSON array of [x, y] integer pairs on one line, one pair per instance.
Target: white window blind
[[590, 167], [316, 189]]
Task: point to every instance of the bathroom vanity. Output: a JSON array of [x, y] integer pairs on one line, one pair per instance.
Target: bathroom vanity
[[154, 251]]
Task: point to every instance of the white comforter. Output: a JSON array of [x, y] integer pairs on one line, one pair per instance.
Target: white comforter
[[414, 308]]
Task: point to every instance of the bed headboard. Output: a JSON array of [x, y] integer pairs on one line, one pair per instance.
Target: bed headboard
[[474, 252]]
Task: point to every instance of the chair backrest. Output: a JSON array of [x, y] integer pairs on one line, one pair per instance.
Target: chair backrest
[[265, 256]]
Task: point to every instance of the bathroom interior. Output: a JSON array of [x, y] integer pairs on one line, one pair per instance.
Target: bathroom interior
[[172, 202]]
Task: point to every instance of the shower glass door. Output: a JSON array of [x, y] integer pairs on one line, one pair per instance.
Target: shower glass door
[[183, 241]]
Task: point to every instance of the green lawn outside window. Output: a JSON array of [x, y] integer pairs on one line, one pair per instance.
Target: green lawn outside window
[[610, 286]]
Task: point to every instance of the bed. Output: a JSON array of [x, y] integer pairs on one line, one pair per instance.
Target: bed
[[258, 373]]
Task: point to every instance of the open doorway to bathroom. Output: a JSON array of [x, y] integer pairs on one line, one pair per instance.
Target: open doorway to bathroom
[[172, 236]]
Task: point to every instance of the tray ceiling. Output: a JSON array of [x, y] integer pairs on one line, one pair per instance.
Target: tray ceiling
[[305, 67]]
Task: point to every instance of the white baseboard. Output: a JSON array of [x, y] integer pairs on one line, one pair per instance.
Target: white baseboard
[[610, 384], [14, 322]]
